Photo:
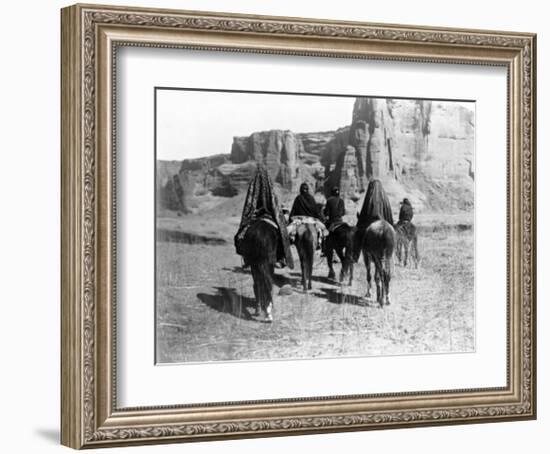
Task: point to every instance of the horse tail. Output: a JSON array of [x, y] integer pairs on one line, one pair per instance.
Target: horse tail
[[348, 244], [415, 249], [357, 243], [390, 240], [305, 244], [260, 247], [262, 275]]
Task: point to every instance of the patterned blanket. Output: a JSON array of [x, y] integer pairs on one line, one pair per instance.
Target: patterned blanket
[[261, 201], [299, 220]]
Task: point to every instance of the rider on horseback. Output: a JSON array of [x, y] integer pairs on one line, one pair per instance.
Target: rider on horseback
[[261, 204], [406, 211], [334, 210], [405, 217], [305, 211]]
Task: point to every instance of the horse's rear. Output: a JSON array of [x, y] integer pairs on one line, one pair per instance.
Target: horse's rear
[[378, 245], [306, 243], [407, 243], [340, 240], [260, 251]]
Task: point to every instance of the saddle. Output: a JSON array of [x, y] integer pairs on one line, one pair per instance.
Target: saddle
[[239, 237], [299, 220]]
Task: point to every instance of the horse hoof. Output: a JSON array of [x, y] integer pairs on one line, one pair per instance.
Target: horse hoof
[[268, 319], [309, 287]]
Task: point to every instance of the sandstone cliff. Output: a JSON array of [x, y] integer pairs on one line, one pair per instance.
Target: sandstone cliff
[[423, 150]]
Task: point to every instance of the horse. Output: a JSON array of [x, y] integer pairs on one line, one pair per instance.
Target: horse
[[340, 240], [377, 243], [306, 243], [407, 243], [375, 237], [260, 252]]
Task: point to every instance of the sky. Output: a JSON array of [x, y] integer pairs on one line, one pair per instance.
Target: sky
[[193, 124]]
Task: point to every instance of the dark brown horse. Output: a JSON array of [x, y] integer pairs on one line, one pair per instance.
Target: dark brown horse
[[259, 248], [378, 246], [306, 243], [340, 240], [375, 238]]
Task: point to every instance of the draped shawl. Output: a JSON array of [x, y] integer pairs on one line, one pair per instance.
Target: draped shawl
[[305, 205], [260, 197], [375, 206]]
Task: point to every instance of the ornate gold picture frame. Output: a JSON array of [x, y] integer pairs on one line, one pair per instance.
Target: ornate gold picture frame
[[91, 35]]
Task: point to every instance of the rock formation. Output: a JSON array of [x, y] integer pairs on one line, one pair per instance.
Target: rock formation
[[279, 151], [419, 149]]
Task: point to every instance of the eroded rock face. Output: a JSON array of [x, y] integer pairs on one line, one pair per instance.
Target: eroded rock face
[[173, 194], [280, 151], [376, 115], [348, 171], [359, 139], [419, 149], [229, 179]]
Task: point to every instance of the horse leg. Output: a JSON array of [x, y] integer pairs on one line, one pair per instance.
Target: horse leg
[[399, 249], [340, 255], [309, 286], [329, 252], [311, 257], [378, 277], [257, 293], [348, 257], [415, 251], [269, 311], [369, 277], [303, 268], [387, 278], [267, 291], [406, 244]]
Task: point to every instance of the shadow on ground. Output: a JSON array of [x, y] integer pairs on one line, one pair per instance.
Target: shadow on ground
[[335, 296], [278, 279], [228, 301]]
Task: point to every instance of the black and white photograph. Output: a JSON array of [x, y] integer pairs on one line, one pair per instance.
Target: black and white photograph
[[301, 226]]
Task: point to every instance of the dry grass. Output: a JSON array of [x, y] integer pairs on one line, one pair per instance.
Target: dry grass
[[205, 302]]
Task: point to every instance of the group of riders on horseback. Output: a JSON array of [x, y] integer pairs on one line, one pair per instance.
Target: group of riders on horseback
[[265, 235]]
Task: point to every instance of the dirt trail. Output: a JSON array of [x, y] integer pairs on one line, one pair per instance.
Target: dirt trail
[[205, 302]]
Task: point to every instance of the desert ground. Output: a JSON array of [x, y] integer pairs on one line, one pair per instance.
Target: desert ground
[[205, 299]]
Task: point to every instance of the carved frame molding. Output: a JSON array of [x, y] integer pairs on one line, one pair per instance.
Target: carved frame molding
[[89, 414]]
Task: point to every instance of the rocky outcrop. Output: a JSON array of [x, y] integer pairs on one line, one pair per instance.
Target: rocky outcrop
[[419, 149], [166, 170], [348, 172], [315, 145], [372, 126], [229, 179], [173, 195], [280, 151]]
